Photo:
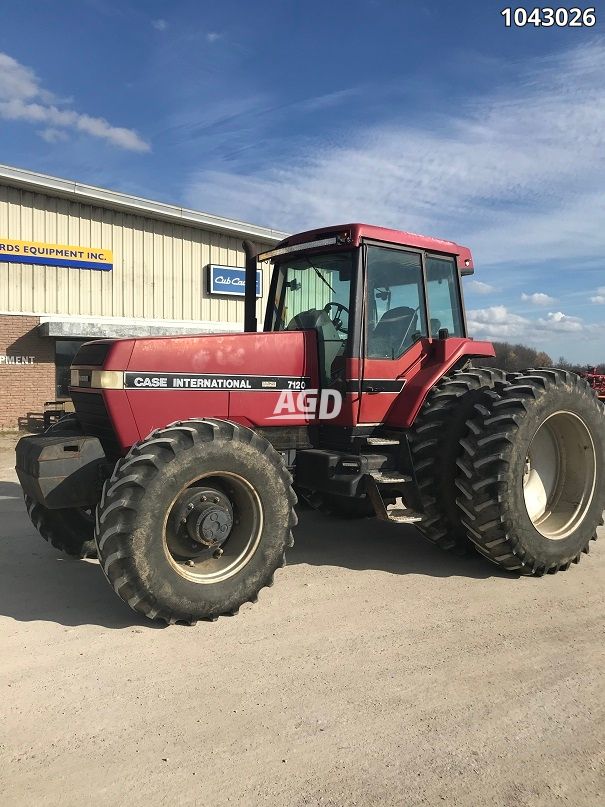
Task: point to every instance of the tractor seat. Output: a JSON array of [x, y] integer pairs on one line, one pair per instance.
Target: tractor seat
[[385, 340], [331, 343]]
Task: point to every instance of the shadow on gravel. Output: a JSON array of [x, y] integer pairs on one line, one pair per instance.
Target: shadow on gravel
[[39, 583], [367, 543], [10, 490]]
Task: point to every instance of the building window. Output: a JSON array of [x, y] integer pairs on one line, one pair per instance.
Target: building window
[[65, 350]]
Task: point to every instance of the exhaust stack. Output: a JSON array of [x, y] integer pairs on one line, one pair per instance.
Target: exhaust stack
[[250, 321]]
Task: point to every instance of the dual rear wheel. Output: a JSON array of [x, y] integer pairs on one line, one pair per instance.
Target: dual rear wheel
[[526, 454], [532, 472]]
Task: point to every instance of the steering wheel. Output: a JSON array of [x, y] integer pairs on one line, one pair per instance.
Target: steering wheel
[[336, 320], [407, 330]]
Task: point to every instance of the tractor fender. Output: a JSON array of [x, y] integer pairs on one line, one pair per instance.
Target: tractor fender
[[446, 355]]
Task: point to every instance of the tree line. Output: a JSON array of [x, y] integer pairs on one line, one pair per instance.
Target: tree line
[[514, 357]]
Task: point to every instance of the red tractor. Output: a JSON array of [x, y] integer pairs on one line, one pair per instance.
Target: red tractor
[[180, 465], [596, 381]]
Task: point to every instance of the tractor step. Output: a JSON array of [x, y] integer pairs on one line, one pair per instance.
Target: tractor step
[[397, 512], [403, 515], [389, 477], [382, 441]]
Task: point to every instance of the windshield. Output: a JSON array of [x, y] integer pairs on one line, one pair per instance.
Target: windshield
[[313, 292], [309, 285]]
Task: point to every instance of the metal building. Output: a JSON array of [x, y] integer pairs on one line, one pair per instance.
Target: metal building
[[79, 262]]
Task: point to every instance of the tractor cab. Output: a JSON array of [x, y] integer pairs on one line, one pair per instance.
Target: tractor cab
[[379, 300]]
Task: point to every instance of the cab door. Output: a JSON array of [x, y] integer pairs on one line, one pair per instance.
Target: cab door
[[396, 332]]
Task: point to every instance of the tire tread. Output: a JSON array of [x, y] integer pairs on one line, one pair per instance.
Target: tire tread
[[122, 493], [483, 480]]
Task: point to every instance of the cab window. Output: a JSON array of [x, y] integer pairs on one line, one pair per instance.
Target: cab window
[[396, 311], [443, 296], [314, 293]]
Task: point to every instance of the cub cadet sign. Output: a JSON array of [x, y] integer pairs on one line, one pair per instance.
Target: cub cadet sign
[[231, 280], [34, 252]]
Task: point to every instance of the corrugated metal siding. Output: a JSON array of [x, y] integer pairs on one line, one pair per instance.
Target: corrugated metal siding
[[159, 267]]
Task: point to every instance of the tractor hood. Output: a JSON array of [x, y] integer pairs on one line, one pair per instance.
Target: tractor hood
[[153, 381]]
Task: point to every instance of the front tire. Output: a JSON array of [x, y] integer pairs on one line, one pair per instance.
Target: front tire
[[532, 477], [195, 520]]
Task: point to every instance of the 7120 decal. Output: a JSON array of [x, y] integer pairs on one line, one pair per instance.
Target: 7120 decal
[[549, 17]]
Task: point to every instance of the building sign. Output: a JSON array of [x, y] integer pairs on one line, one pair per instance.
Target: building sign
[[16, 359], [231, 280], [55, 255]]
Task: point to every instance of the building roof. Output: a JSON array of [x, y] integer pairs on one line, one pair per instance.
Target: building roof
[[89, 194]]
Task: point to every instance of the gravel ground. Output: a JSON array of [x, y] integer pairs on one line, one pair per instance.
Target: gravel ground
[[377, 671]]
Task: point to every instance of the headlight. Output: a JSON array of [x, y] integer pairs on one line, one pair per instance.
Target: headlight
[[97, 379], [107, 379]]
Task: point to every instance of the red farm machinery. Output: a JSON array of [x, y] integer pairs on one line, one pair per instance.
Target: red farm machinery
[[597, 382]]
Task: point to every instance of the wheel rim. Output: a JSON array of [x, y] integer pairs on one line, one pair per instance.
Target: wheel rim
[[213, 527], [559, 476]]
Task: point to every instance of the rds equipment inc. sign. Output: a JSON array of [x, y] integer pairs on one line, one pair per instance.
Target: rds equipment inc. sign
[[34, 252]]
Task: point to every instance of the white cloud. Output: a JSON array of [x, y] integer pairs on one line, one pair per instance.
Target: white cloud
[[538, 298], [330, 99], [599, 297], [558, 321], [159, 25], [519, 174], [498, 322], [22, 98], [213, 37], [53, 135], [18, 81], [479, 287]]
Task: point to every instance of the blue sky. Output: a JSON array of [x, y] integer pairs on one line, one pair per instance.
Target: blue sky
[[425, 116]]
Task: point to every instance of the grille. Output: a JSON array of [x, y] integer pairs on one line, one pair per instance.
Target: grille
[[92, 353], [94, 419]]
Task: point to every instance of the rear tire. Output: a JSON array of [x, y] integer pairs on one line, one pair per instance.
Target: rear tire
[[435, 443], [186, 484], [532, 476], [70, 530]]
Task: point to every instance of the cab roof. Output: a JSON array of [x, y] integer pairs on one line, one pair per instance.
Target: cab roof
[[354, 234]]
